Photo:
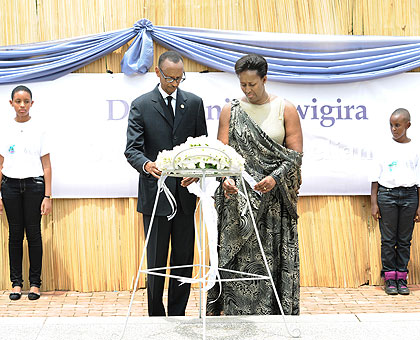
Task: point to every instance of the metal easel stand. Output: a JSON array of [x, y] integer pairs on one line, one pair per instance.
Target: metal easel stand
[[201, 245]]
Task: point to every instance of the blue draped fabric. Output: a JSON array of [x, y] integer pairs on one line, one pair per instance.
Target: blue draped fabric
[[293, 58], [51, 60]]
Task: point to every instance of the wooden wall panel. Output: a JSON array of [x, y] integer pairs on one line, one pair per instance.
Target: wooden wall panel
[[95, 244]]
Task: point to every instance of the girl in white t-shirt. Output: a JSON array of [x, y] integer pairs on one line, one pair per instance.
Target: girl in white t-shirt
[[394, 201], [25, 177]]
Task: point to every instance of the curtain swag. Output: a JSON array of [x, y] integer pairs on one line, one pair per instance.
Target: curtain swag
[[292, 58]]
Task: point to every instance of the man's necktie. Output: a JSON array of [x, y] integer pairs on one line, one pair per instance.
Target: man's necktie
[[171, 110]]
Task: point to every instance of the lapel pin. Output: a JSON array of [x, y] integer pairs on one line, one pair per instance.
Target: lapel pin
[[182, 106]]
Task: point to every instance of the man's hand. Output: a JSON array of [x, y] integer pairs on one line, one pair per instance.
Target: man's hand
[[151, 168]]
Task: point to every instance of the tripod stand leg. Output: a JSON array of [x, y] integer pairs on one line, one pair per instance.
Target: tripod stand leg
[[160, 184], [296, 332]]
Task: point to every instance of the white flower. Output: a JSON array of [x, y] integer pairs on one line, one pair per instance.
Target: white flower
[[199, 152]]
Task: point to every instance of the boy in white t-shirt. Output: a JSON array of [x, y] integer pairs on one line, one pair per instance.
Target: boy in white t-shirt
[[394, 201]]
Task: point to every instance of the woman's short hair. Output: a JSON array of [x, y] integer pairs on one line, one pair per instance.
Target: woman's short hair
[[252, 62], [21, 88]]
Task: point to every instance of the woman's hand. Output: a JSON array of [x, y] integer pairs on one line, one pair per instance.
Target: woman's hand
[[229, 187], [1, 206], [46, 206], [266, 185], [186, 181]]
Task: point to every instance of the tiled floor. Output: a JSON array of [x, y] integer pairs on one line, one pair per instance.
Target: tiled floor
[[314, 300], [365, 299]]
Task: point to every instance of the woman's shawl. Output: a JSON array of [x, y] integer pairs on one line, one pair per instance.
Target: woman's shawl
[[263, 157]]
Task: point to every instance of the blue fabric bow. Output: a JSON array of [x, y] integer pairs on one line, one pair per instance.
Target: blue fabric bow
[[139, 56]]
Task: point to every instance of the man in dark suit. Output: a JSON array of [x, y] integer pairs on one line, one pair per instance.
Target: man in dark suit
[[157, 122]]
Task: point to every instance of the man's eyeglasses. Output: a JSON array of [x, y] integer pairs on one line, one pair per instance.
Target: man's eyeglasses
[[170, 79]]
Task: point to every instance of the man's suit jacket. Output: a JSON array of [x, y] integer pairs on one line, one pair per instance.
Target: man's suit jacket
[[150, 130]]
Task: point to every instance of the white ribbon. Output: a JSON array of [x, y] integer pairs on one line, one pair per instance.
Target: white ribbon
[[252, 182], [169, 196], [210, 222]]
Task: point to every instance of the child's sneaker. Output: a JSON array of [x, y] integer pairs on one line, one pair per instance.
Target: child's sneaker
[[402, 283], [390, 283]]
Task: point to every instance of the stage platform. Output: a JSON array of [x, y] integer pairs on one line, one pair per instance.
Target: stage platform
[[327, 313], [312, 327]]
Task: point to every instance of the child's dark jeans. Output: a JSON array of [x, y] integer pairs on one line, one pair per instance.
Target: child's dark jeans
[[398, 208], [22, 200]]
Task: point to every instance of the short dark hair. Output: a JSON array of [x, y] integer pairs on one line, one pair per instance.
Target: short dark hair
[[173, 56], [21, 88], [252, 62], [403, 112]]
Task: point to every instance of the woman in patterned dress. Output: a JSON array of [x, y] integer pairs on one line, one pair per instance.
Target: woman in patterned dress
[[265, 130]]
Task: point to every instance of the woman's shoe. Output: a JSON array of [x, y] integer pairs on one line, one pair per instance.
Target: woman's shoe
[[33, 296], [15, 296]]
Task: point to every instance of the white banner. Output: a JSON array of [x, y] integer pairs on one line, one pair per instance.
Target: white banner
[[87, 116]]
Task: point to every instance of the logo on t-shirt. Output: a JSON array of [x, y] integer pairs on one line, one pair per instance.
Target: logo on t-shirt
[[393, 164], [12, 149]]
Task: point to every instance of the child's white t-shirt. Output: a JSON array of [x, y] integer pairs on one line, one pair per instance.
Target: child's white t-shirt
[[396, 164], [22, 145]]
